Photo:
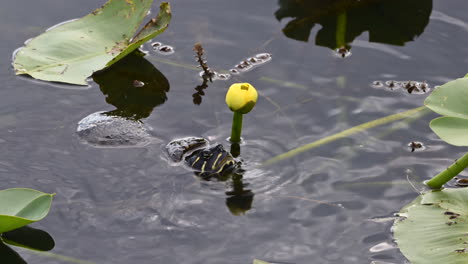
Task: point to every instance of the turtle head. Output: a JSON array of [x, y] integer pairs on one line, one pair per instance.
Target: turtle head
[[210, 161]]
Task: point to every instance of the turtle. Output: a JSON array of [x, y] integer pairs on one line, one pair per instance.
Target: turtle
[[207, 160]]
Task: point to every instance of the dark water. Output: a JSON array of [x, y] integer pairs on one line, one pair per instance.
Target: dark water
[[130, 205]]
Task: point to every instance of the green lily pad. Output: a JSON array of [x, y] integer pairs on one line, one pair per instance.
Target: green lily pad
[[434, 228], [20, 207], [453, 130], [450, 99], [72, 51]]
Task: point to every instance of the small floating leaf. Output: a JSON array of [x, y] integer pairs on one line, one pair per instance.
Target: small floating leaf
[[434, 228], [72, 51], [20, 207]]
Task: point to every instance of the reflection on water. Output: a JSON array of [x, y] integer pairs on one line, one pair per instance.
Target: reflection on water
[[239, 199], [134, 86], [342, 21], [215, 163], [26, 237]]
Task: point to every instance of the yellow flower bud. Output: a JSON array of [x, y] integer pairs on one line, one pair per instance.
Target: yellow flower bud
[[241, 97]]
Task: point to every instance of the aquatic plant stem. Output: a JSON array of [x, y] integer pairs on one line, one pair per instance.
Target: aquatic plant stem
[[341, 20], [453, 170], [236, 127], [346, 133]]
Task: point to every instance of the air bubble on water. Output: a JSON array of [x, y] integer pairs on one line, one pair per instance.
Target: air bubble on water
[[156, 45], [234, 71], [243, 66], [137, 83], [223, 76], [166, 49], [343, 52], [263, 56], [377, 84]]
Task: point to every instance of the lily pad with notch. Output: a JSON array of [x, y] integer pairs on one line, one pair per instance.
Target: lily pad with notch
[[72, 51]]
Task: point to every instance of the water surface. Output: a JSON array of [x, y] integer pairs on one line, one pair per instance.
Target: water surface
[[131, 205]]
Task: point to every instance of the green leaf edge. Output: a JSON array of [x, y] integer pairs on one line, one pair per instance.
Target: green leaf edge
[[431, 103], [26, 219], [131, 46], [435, 129]]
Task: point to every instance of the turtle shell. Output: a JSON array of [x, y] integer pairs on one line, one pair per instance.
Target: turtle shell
[[207, 161], [210, 161]]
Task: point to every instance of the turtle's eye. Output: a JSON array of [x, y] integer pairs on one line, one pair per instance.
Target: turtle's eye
[[206, 154]]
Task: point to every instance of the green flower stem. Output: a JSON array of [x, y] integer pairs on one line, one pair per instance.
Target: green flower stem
[[236, 128], [453, 170], [341, 29]]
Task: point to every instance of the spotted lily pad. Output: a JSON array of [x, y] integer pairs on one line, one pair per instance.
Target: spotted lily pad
[[20, 207], [433, 228], [72, 51]]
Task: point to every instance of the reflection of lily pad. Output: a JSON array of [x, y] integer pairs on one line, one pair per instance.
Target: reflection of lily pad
[[31, 238], [134, 86], [72, 51], [434, 228], [387, 21], [8, 255]]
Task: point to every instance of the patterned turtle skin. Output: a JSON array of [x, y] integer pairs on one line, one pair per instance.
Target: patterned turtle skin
[[207, 161]]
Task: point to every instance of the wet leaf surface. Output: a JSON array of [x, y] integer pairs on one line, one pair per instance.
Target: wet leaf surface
[[72, 51], [434, 227], [20, 207]]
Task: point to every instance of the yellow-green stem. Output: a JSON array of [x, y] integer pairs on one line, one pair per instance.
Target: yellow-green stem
[[453, 170], [341, 30], [236, 128]]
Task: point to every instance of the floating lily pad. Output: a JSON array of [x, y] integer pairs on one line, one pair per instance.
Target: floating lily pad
[[450, 100], [21, 207], [72, 51], [30, 238], [434, 227]]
